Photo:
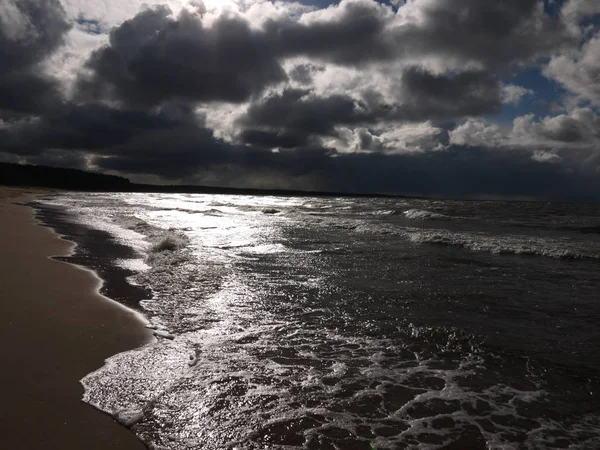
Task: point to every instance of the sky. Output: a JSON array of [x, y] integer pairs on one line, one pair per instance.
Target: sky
[[450, 98]]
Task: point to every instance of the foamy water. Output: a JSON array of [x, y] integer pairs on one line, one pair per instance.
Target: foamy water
[[347, 323]]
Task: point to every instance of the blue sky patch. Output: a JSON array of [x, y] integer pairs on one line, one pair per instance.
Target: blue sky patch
[[90, 26]]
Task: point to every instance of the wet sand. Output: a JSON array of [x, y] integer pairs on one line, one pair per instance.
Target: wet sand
[[54, 329]]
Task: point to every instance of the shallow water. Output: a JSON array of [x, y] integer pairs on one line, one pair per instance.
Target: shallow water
[[342, 323]]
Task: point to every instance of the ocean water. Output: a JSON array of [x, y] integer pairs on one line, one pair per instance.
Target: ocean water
[[351, 323]]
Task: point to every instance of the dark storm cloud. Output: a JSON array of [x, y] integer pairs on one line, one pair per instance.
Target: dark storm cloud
[[303, 73], [580, 128], [491, 33], [24, 92], [357, 34], [495, 34], [562, 128], [365, 140], [171, 142], [197, 151], [428, 96], [171, 153], [30, 31], [153, 58], [567, 130], [87, 127], [296, 114], [269, 139], [299, 111]]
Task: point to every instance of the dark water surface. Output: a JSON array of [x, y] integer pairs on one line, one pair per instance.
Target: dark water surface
[[321, 323]]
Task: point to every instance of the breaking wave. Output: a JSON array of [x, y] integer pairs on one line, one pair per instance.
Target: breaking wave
[[171, 242], [516, 245], [386, 212], [422, 214]]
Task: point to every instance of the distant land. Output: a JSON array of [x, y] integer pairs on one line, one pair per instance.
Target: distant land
[[79, 180]]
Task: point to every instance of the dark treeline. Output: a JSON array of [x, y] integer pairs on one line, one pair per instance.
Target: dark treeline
[[79, 180], [59, 178]]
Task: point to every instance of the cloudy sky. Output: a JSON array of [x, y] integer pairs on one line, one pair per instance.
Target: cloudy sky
[[478, 98]]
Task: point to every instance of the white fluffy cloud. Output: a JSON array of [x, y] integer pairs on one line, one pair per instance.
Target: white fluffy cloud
[[579, 71], [410, 138], [475, 132], [578, 129], [574, 11], [15, 24], [546, 157], [391, 140], [512, 94]]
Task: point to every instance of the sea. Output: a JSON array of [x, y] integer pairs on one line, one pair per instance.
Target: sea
[[346, 323]]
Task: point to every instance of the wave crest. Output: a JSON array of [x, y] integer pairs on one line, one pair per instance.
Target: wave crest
[[171, 243], [515, 245], [422, 214]]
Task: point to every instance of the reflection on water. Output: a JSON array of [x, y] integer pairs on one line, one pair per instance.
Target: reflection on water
[[356, 323]]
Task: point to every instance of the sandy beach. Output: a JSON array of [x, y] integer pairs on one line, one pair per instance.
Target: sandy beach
[[56, 328]]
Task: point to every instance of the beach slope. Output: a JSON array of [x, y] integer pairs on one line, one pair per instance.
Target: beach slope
[[55, 328]]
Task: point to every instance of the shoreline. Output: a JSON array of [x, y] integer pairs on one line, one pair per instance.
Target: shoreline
[[58, 328], [95, 250]]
